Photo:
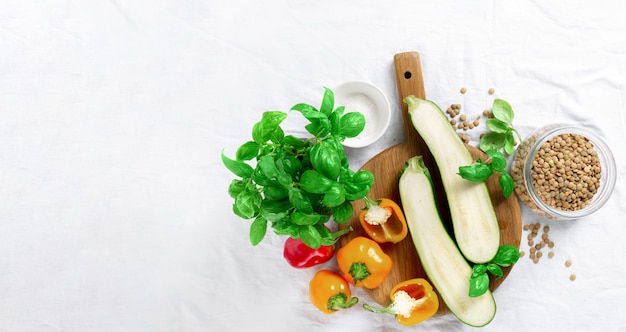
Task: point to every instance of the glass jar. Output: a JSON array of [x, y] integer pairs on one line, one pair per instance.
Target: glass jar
[[554, 170]]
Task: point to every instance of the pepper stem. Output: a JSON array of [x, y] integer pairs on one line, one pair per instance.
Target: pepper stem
[[387, 310], [359, 272], [341, 232], [369, 202], [340, 301]]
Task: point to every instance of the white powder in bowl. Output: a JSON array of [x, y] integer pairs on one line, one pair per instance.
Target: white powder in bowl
[[358, 102]]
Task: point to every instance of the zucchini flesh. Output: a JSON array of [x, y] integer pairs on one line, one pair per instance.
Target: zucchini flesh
[[442, 261], [473, 217]]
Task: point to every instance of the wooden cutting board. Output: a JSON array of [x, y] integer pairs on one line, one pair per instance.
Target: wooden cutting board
[[386, 167]]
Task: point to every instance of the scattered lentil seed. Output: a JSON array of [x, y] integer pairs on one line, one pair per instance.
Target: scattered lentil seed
[[463, 90], [572, 277], [551, 254], [568, 263], [522, 253], [491, 91]]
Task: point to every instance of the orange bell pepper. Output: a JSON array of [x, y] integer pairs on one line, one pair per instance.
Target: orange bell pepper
[[383, 220], [329, 292], [412, 301], [363, 262]]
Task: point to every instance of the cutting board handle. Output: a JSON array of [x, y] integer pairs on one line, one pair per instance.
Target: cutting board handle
[[410, 82]]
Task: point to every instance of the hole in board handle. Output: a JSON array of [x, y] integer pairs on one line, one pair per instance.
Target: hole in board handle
[[407, 74]]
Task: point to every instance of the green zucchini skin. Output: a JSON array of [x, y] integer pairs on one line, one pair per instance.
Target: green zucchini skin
[[441, 259], [473, 217]]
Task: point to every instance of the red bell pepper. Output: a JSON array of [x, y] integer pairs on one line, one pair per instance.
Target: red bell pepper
[[300, 256]]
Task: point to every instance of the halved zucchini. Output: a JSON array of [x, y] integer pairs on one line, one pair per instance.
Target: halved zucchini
[[473, 217], [444, 265]]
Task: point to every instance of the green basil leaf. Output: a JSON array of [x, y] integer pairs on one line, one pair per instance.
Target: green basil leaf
[[236, 187], [343, 212], [475, 172], [277, 135], [335, 120], [267, 166], [310, 113], [304, 219], [303, 108], [325, 234], [328, 102], [356, 195], [275, 192], [258, 228], [479, 269], [300, 201], [248, 203], [263, 130], [492, 141], [506, 184], [293, 142], [495, 270], [325, 160], [319, 128], [238, 168], [284, 179], [335, 195], [275, 211], [248, 151], [310, 236], [351, 124], [478, 285], [314, 182], [286, 227], [497, 126], [509, 143], [239, 213], [261, 179], [502, 110], [363, 178], [498, 162], [313, 128], [507, 254], [289, 164]]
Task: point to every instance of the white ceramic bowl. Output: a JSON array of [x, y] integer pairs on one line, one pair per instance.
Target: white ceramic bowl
[[364, 97]]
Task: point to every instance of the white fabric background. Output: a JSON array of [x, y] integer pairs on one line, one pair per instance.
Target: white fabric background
[[114, 214]]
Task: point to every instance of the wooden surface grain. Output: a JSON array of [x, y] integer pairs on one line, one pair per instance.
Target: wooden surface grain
[[386, 167]]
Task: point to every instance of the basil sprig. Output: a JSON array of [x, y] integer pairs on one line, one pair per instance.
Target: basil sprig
[[479, 281], [500, 137], [480, 171], [501, 128], [296, 184]]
